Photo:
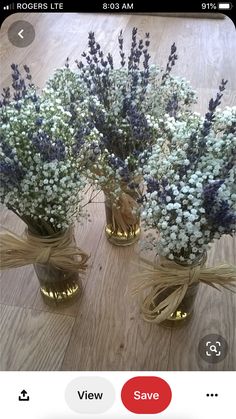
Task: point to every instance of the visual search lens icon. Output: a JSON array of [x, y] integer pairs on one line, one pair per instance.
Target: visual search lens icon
[[216, 348], [213, 348]]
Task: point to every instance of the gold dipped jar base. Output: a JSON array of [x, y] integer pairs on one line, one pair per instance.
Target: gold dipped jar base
[[177, 319], [184, 311], [58, 286], [120, 238], [61, 295]]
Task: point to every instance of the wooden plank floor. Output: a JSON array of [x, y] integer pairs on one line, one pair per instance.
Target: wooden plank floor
[[103, 330]]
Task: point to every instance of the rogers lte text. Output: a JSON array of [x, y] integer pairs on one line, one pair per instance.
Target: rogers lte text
[[39, 6]]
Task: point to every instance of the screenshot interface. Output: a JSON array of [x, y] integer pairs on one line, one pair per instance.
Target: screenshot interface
[[118, 210]]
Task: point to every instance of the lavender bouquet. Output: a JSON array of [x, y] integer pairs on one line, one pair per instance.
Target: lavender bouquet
[[126, 103], [190, 201], [190, 179], [44, 155]]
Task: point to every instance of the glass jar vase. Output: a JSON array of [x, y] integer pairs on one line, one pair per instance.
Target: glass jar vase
[[58, 285]]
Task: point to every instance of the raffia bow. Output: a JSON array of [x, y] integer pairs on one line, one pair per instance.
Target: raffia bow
[[16, 251], [169, 274]]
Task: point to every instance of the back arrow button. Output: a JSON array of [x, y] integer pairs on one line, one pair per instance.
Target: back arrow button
[[20, 33]]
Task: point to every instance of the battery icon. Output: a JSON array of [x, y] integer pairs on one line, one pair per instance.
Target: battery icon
[[225, 6]]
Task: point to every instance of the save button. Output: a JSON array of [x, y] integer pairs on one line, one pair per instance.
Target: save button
[[146, 395]]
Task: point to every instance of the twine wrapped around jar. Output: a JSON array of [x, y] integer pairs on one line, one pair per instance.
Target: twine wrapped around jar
[[124, 212], [16, 251], [169, 274]]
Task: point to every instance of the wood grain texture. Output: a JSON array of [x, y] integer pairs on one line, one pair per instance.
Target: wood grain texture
[[32, 340], [103, 330], [114, 336], [215, 312], [18, 286]]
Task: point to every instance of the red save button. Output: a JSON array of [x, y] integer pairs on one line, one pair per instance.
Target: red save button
[[146, 395]]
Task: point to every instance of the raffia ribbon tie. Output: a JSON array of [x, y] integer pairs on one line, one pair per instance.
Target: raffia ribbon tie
[[169, 274], [124, 214], [16, 251]]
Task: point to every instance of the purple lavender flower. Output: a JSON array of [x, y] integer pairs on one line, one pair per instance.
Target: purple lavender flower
[[218, 212], [172, 106], [152, 185], [197, 144], [100, 80], [48, 149], [126, 132], [118, 164], [20, 86], [171, 61], [11, 173], [6, 97]]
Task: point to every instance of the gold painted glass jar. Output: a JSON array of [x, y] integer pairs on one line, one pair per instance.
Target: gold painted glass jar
[[58, 285], [122, 219]]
